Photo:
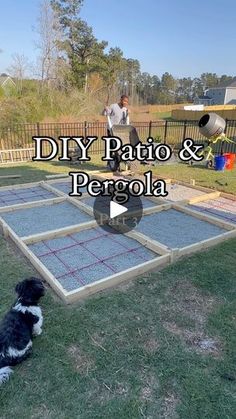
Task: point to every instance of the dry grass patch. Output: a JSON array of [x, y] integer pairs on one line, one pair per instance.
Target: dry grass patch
[[43, 412], [195, 340], [170, 404], [151, 345], [187, 299], [150, 386], [82, 362]]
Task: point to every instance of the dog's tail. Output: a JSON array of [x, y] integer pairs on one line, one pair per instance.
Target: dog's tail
[[5, 373]]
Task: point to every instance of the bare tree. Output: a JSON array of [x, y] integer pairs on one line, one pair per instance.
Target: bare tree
[[19, 69], [49, 33]]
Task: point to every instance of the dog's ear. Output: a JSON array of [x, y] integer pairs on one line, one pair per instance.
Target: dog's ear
[[20, 287]]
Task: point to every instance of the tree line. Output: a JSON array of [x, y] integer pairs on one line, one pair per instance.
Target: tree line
[[70, 56], [73, 64], [86, 63]]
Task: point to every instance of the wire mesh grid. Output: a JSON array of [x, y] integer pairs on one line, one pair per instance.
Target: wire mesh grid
[[85, 257], [22, 195], [66, 187], [219, 207]]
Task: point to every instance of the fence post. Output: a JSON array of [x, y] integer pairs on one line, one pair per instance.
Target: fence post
[[165, 132], [226, 126], [85, 129], [38, 129], [150, 129], [184, 132]]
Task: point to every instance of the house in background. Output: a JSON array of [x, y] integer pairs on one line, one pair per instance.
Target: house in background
[[224, 94], [7, 84], [203, 100]]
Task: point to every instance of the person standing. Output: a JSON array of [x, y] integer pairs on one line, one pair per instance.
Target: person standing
[[118, 112]]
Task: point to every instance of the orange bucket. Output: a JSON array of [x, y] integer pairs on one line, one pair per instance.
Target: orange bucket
[[230, 159]]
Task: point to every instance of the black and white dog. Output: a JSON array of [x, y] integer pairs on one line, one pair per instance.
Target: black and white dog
[[20, 324]]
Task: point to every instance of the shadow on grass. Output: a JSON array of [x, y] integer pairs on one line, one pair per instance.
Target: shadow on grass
[[26, 173], [201, 166], [78, 166], [37, 171]]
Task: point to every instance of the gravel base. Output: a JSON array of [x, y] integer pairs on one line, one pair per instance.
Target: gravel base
[[65, 187], [179, 192], [90, 255], [220, 207], [22, 195], [176, 229], [147, 203], [44, 218]]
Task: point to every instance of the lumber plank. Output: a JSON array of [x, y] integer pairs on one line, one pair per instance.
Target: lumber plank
[[53, 234]]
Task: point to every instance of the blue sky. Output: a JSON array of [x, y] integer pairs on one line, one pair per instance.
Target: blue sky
[[185, 38]]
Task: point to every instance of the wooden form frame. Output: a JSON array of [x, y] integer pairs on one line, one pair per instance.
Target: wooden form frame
[[48, 185], [161, 260], [29, 204], [50, 188], [208, 193], [158, 204], [176, 253], [165, 257]]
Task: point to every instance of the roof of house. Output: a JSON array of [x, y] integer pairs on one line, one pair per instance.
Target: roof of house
[[3, 79], [225, 85]]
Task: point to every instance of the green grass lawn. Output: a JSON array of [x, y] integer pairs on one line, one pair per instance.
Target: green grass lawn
[[161, 346], [160, 115], [222, 181], [36, 171]]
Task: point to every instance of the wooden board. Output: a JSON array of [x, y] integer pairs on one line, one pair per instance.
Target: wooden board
[[32, 204], [10, 177], [165, 257], [53, 234], [43, 271], [204, 244]]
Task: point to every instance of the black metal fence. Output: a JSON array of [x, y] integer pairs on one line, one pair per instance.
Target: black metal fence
[[170, 132]]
